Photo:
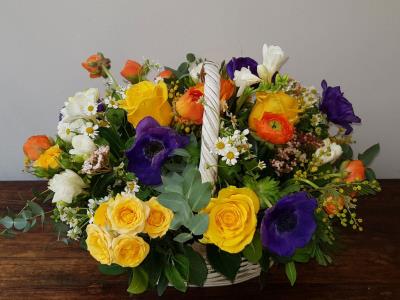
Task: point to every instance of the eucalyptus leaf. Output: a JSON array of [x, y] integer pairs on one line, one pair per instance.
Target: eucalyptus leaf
[[20, 223], [200, 195], [7, 222], [183, 237], [198, 224]]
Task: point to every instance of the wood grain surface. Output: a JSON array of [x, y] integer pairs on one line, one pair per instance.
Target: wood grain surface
[[35, 266]]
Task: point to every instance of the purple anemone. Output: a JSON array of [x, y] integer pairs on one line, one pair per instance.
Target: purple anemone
[[152, 147], [239, 63], [289, 224]]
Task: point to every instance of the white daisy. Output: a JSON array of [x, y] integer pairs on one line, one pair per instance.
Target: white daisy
[[111, 102], [230, 156], [66, 131], [90, 129], [132, 187], [221, 145], [90, 108]]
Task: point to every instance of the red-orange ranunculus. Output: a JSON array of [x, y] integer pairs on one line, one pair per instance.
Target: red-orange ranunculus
[[165, 74], [355, 171], [36, 145], [274, 128], [131, 70], [188, 105], [94, 63], [227, 89]]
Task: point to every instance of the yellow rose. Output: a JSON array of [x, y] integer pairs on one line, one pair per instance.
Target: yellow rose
[[100, 216], [159, 219], [129, 250], [127, 214], [49, 158], [277, 103], [98, 244], [147, 99], [232, 219]]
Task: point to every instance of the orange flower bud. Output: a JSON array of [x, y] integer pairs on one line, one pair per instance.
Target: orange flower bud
[[94, 63], [274, 128], [227, 89], [188, 105], [332, 205], [355, 171], [131, 71], [166, 74], [36, 145]]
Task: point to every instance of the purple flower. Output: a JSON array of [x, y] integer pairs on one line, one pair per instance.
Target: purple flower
[[337, 108], [289, 224], [152, 147], [240, 62]]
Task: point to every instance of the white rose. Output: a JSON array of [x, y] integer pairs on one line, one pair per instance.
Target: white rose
[[329, 152], [273, 59], [195, 72], [243, 79], [81, 105], [82, 145], [66, 186]]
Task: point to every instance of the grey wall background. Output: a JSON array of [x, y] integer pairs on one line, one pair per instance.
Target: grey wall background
[[354, 44]]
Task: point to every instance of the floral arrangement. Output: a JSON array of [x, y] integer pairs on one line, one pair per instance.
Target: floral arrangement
[[124, 174]]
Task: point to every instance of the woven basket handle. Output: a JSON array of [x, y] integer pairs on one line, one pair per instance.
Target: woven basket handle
[[210, 130]]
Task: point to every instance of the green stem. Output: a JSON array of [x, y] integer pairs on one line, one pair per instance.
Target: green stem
[[310, 183], [111, 77]]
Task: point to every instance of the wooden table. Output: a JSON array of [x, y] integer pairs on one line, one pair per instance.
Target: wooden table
[[35, 266]]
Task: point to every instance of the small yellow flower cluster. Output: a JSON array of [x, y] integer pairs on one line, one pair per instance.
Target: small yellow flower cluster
[[114, 235]]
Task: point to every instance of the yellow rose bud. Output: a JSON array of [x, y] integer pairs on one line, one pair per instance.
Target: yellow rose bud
[[159, 219], [277, 103], [129, 250], [49, 158], [100, 216], [146, 99], [98, 244], [232, 219], [127, 214]]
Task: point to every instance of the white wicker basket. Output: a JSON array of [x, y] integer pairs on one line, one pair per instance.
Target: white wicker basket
[[208, 166]]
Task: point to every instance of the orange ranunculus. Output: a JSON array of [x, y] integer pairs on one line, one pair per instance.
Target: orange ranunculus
[[227, 89], [166, 74], [355, 171], [36, 145], [188, 105], [94, 63], [333, 205], [131, 70], [274, 128]]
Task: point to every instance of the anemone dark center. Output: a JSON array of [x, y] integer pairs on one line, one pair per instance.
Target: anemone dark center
[[287, 221], [152, 148]]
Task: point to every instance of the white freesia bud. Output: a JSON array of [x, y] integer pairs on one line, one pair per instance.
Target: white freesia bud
[[243, 79], [82, 145], [328, 153], [81, 105], [195, 71], [66, 186], [273, 59]]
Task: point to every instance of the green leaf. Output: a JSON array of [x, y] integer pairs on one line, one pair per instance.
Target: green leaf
[[290, 270], [37, 210], [197, 267], [139, 281], [116, 117], [100, 184], [368, 156], [190, 57], [20, 223], [112, 269], [289, 189], [162, 285], [266, 188], [173, 183], [223, 262], [320, 257], [190, 176], [175, 278], [183, 237], [7, 222], [181, 263], [200, 195], [114, 140], [253, 251], [183, 69], [370, 174], [302, 255], [198, 224], [171, 200], [181, 152], [347, 152]]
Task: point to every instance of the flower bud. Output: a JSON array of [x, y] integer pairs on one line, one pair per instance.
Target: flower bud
[[94, 65], [131, 71]]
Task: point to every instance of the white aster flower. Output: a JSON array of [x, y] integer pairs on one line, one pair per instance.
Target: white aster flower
[[82, 145], [243, 79], [328, 153], [132, 187], [111, 102], [78, 105], [273, 59], [66, 186], [66, 131], [90, 109], [230, 156], [74, 233], [221, 145], [195, 71], [90, 129]]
